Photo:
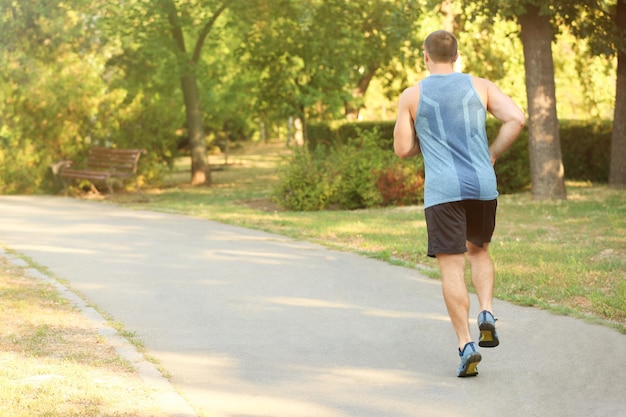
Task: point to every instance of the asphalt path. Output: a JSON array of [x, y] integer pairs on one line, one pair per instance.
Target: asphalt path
[[252, 324]]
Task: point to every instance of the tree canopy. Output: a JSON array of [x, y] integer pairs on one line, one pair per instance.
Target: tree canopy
[[175, 76]]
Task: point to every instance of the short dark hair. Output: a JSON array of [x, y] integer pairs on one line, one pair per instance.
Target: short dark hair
[[441, 46]]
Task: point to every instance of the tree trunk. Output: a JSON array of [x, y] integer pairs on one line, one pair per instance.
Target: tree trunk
[[546, 164], [450, 17], [200, 172], [617, 176], [352, 110], [305, 126]]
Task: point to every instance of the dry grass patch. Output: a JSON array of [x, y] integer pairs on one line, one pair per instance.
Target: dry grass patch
[[53, 363]]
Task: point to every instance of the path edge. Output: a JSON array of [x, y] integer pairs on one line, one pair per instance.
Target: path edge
[[171, 403]]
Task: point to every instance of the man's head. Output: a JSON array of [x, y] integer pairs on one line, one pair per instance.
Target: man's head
[[441, 46]]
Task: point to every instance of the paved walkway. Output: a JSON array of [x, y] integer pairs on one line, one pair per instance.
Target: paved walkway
[[251, 324]]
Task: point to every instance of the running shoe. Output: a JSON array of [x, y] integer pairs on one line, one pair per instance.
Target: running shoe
[[487, 327], [469, 360]]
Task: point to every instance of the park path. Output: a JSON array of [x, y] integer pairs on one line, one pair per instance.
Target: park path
[[251, 324]]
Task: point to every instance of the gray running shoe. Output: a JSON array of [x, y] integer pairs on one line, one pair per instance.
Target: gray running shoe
[[469, 360], [487, 327]]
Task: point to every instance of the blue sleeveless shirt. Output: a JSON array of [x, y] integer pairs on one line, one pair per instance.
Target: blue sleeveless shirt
[[450, 126]]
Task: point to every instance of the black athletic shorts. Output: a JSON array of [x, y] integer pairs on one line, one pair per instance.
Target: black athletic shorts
[[450, 225]]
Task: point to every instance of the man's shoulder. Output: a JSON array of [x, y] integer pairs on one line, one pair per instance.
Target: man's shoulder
[[412, 89], [412, 93], [481, 82]]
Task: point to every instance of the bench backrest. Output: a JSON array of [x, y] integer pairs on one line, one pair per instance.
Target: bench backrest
[[121, 160]]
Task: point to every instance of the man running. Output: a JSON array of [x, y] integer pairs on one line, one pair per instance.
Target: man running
[[443, 117]]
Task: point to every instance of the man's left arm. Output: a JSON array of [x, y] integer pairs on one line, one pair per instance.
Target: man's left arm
[[405, 142]]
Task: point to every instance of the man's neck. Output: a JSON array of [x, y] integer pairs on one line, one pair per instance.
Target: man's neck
[[446, 68]]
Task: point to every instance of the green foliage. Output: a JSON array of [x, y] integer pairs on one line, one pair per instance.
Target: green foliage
[[380, 133], [84, 72], [305, 181], [19, 167], [331, 135], [165, 42], [351, 175], [358, 164], [322, 134], [148, 122], [585, 147], [490, 47], [53, 99], [513, 168], [311, 68]]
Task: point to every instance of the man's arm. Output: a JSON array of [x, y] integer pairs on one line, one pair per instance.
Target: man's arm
[[512, 117], [405, 143]]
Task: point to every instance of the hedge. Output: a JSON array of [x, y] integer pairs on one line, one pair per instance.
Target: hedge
[[585, 147]]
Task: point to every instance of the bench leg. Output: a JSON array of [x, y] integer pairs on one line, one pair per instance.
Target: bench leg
[[66, 186], [109, 183], [138, 185]]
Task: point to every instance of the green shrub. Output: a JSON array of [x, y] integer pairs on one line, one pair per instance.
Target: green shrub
[[22, 170], [338, 134], [306, 181], [321, 134], [352, 175], [382, 133], [357, 163]]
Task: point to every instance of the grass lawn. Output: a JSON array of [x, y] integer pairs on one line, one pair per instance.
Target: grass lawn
[[565, 256]]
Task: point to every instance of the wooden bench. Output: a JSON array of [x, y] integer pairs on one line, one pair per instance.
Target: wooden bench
[[104, 165]]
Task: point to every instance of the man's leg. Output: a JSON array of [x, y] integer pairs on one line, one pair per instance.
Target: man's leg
[[483, 275], [483, 278], [455, 294]]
